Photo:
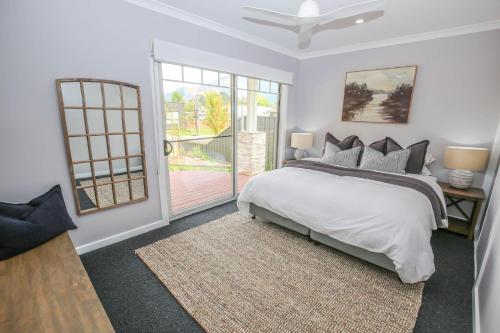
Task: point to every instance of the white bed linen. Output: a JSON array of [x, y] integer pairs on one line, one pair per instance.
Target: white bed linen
[[376, 216]]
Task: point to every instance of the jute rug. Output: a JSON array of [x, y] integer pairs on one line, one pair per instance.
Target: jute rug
[[236, 274]]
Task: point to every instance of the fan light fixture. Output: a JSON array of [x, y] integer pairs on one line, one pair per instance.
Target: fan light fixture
[[309, 17]]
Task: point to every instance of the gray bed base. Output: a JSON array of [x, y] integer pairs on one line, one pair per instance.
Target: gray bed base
[[378, 259]]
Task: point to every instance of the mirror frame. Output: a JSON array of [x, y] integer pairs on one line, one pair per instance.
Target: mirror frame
[[106, 133]]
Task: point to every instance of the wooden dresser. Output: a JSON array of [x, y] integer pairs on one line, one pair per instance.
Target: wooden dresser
[[48, 290]]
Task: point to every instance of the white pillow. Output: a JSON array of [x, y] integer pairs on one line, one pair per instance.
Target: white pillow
[[426, 171], [429, 159], [345, 158]]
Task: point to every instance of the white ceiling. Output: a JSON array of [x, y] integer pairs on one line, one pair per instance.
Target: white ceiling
[[401, 21]]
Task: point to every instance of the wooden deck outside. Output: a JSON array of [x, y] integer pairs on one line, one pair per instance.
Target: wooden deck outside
[[192, 188]]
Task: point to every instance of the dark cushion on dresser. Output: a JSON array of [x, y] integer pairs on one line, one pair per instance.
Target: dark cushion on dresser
[[42, 219]]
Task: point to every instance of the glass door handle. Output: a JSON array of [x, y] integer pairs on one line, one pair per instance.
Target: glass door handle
[[167, 148]]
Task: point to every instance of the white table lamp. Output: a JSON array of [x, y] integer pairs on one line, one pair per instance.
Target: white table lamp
[[463, 161], [301, 141]]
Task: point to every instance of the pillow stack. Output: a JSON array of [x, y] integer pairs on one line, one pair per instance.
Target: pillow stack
[[385, 155], [25, 226], [341, 153]]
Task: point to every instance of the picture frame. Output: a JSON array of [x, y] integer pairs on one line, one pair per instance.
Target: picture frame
[[379, 95]]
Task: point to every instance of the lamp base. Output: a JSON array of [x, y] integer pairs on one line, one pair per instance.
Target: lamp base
[[461, 179], [299, 154]]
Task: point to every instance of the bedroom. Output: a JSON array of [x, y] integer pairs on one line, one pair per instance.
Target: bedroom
[[451, 50]]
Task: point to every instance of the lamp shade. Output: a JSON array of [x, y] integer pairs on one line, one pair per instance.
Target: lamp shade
[[302, 140], [466, 158]]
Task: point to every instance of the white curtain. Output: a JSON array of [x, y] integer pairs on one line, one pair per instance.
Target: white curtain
[[282, 124]]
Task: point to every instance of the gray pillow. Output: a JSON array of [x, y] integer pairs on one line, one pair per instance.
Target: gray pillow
[[344, 144], [344, 158], [394, 162], [416, 161]]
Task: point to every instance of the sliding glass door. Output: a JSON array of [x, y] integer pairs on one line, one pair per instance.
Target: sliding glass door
[[257, 127], [219, 130]]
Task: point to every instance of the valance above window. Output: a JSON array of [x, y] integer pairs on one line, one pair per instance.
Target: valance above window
[[179, 54]]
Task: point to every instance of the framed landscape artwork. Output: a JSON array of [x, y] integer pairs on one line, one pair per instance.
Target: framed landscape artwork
[[379, 95]]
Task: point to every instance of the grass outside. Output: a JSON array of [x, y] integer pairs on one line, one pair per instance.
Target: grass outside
[[185, 133]]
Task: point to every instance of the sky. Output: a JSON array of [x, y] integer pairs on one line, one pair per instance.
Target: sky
[[383, 79]]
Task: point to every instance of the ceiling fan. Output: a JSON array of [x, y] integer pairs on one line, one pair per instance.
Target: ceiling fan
[[308, 16]]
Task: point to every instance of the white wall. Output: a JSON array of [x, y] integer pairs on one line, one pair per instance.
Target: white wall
[[45, 40], [455, 99], [487, 286]]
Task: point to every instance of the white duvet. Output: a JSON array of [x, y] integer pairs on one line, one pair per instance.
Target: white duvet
[[379, 217]]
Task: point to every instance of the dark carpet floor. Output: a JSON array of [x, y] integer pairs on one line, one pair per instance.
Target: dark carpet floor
[[136, 301]]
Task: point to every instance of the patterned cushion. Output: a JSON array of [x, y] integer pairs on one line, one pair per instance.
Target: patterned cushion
[[343, 145], [344, 158], [417, 154], [394, 162]]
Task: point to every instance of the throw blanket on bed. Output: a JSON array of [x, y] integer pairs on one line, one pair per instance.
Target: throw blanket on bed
[[389, 178]]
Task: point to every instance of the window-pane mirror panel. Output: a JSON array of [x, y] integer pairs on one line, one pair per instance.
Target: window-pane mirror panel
[[112, 95], [102, 172], [95, 120], [79, 148], [100, 138], [134, 144], [82, 172], [120, 168], [192, 74], [114, 121], [99, 147], [93, 94], [86, 199], [71, 94], [129, 97], [122, 192], [117, 145], [75, 121], [138, 188], [132, 121], [105, 193], [136, 166]]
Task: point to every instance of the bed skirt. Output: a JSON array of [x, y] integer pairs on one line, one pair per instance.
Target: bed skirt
[[378, 259]]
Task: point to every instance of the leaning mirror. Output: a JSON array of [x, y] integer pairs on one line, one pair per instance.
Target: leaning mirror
[[102, 124]]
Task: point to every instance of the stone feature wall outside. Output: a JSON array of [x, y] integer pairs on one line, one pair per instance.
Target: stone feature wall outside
[[251, 153]]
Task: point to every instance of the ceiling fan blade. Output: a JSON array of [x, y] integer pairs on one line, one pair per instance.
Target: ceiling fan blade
[[277, 17], [305, 35], [352, 10]]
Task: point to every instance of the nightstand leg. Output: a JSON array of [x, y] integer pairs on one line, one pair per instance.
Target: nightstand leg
[[473, 220]]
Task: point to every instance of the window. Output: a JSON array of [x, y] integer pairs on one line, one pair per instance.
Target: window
[[200, 108]]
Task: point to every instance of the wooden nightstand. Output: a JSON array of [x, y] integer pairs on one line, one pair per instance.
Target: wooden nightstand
[[455, 196]]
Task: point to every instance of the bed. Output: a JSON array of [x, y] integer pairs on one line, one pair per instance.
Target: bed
[[382, 218]]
